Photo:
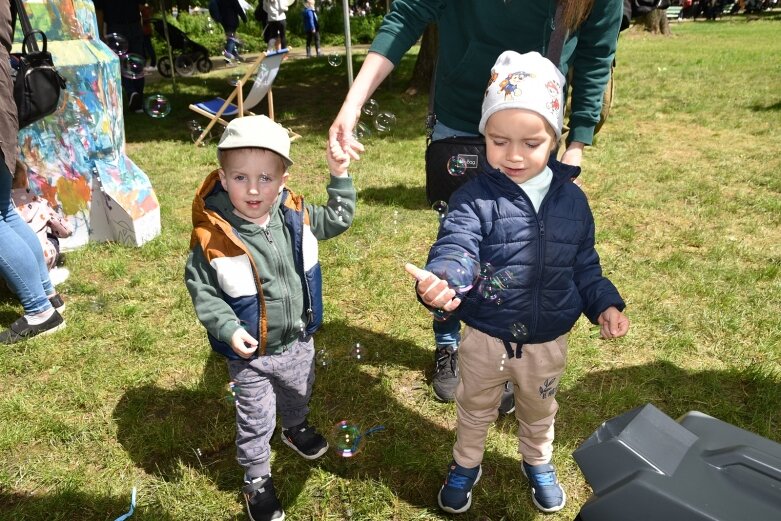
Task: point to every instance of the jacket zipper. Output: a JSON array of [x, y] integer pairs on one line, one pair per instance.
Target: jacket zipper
[[281, 276]]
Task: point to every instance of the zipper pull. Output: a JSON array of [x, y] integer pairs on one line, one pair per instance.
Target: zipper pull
[[542, 229], [267, 233]]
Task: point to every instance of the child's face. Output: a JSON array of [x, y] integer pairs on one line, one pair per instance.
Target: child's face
[[253, 178], [518, 143]]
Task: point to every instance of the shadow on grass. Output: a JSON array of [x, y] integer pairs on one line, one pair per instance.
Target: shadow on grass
[[67, 505], [162, 428], [408, 197], [770, 107]]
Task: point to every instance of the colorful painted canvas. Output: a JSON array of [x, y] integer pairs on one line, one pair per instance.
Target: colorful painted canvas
[[61, 151]]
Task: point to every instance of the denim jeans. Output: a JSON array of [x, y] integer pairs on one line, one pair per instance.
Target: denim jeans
[[447, 332], [21, 256]]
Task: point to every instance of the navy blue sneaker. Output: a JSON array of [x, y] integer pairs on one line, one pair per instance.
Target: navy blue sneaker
[[455, 496], [547, 494]]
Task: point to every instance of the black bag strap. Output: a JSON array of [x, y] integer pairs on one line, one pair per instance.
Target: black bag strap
[[27, 28], [555, 47]]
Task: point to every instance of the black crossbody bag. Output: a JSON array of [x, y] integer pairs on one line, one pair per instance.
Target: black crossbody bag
[[37, 84], [470, 150]]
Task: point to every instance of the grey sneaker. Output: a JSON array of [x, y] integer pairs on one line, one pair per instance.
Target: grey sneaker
[[446, 372]]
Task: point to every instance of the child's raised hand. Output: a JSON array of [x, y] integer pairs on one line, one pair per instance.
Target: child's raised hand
[[614, 323], [433, 291], [243, 344], [337, 160]]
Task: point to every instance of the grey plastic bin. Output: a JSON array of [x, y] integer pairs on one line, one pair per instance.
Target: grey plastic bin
[[645, 466]]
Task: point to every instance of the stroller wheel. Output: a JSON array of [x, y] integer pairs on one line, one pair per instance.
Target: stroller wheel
[[203, 64], [164, 67]]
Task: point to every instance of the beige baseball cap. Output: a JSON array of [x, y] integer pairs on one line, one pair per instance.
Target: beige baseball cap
[[257, 132]]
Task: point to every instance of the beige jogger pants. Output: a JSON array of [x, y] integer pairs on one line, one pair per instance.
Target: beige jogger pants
[[484, 367]]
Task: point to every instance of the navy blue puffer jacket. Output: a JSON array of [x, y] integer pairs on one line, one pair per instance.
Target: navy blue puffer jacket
[[555, 269]]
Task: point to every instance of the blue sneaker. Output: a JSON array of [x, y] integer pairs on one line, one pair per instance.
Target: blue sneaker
[[455, 496], [547, 494]]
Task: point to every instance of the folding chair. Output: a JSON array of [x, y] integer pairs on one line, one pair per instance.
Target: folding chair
[[266, 66]]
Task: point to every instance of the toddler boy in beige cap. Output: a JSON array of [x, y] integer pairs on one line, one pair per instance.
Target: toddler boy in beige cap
[[255, 283]]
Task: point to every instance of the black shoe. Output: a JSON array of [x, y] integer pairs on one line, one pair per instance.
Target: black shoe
[[57, 303], [507, 405], [135, 103], [20, 329], [446, 372], [261, 499], [305, 440]]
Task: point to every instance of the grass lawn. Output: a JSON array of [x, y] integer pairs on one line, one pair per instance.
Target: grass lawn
[[684, 183]]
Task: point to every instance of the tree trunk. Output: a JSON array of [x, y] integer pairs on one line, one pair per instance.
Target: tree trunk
[[656, 22], [424, 66]]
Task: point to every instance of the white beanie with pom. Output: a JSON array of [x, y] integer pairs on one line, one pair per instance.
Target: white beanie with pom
[[525, 81]]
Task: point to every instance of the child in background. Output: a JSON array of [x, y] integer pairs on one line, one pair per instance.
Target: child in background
[[527, 218], [47, 223], [311, 27], [255, 282], [146, 24]]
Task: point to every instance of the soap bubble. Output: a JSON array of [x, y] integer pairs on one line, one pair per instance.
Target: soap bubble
[[334, 59], [519, 331], [384, 121], [456, 166], [157, 106], [362, 130], [184, 65], [194, 124], [358, 352], [459, 269], [234, 79], [132, 66], [371, 107], [195, 133], [231, 390], [323, 358], [441, 208], [346, 439], [117, 43]]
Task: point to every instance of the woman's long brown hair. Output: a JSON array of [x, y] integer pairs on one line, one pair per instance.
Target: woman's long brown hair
[[575, 12]]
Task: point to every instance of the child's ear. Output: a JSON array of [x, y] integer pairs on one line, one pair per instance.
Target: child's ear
[[223, 181]]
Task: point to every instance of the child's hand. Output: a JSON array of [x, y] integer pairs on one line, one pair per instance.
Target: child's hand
[[337, 160], [614, 323], [243, 344], [433, 291]]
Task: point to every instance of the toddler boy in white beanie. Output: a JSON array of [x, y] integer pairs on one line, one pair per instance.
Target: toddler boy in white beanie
[[530, 231]]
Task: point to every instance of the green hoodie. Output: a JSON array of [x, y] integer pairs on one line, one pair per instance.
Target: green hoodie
[[472, 34]]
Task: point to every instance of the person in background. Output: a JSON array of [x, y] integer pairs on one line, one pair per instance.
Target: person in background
[[277, 21], [230, 14], [21, 258], [472, 34], [123, 17], [146, 22], [525, 218], [312, 28]]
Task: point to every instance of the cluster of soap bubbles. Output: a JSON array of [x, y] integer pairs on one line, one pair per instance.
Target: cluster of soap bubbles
[[463, 273], [383, 121], [324, 358]]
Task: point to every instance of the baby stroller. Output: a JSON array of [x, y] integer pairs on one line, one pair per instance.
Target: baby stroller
[[188, 55]]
